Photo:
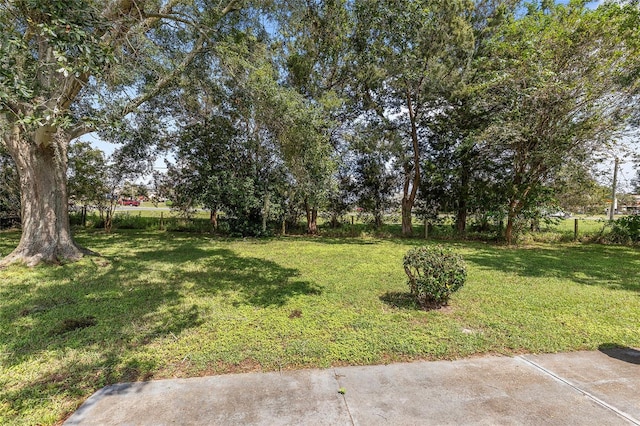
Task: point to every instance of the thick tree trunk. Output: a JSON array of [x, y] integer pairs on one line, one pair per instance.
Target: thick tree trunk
[[461, 220], [508, 232], [407, 226], [377, 220], [511, 219], [46, 234]]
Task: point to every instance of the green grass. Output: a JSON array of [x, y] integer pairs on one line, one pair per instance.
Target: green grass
[[158, 305]]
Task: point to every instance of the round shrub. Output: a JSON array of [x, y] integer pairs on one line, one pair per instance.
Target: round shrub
[[435, 273]]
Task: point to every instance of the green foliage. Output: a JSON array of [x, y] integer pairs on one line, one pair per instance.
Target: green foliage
[[435, 273], [9, 186], [625, 230], [407, 57], [87, 182], [554, 96]]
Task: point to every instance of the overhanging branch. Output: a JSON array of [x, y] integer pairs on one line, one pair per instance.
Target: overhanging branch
[[163, 82]]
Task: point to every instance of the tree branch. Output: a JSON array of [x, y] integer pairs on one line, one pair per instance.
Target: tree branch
[[186, 61], [170, 17], [164, 81], [79, 130]]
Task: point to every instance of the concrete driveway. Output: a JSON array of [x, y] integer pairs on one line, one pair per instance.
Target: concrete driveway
[[580, 388]]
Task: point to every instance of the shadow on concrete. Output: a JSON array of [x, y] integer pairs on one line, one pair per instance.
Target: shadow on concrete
[[623, 353]]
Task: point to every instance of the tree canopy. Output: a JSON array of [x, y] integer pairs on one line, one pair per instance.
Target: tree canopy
[[274, 107]]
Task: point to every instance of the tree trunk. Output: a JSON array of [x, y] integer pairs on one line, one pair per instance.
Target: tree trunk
[[463, 196], [412, 181], [511, 219], [312, 219], [407, 226], [213, 218], [508, 232], [377, 220], [461, 220], [46, 234]]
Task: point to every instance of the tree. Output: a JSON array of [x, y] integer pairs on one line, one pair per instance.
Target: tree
[[575, 190], [406, 56], [307, 154], [340, 199], [87, 174], [69, 66], [375, 181], [458, 177], [554, 87]]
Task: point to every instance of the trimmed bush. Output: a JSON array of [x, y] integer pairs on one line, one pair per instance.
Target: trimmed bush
[[435, 273]]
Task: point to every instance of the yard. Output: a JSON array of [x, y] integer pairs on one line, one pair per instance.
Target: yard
[[159, 304]]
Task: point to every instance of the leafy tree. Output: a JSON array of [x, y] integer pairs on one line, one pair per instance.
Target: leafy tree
[[87, 174], [228, 155], [406, 57], [576, 190], [458, 176], [340, 199], [68, 67], [302, 129], [555, 94], [375, 181]]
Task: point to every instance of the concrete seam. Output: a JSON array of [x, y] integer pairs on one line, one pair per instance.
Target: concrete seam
[[582, 391], [344, 397]]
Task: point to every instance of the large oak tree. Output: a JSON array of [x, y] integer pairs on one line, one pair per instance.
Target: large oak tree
[[69, 67]]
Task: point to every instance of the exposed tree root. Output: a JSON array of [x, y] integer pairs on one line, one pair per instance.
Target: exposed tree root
[[52, 255]]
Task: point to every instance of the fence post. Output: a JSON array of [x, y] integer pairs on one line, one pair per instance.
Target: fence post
[[426, 229], [575, 229]]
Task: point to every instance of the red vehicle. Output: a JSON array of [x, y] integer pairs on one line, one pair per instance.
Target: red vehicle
[[134, 203]]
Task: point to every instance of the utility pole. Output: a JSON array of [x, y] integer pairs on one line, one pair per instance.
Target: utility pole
[[613, 189]]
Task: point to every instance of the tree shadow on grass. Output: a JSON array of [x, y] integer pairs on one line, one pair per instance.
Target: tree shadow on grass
[[88, 324], [243, 280], [611, 267]]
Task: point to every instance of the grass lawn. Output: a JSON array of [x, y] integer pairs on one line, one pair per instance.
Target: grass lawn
[[159, 305]]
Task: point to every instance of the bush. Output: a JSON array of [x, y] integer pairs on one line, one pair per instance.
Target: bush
[[626, 230], [435, 273], [128, 221]]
